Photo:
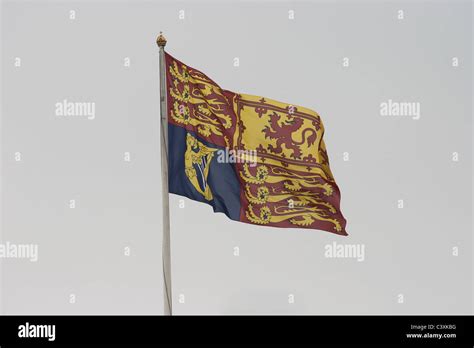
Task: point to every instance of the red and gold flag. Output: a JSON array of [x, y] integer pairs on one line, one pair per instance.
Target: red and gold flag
[[255, 159]]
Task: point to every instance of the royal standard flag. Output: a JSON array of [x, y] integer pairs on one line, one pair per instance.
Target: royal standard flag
[[254, 159]]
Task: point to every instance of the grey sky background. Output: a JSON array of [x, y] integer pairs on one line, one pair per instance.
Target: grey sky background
[[408, 251]]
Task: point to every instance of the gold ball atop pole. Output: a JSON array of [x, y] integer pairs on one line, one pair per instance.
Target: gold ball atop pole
[[160, 40]]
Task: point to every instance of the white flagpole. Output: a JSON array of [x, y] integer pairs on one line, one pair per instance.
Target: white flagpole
[[166, 252]]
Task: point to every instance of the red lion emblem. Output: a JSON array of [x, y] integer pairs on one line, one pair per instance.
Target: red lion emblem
[[283, 135]]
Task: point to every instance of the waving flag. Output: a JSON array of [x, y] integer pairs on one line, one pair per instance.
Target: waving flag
[[257, 160]]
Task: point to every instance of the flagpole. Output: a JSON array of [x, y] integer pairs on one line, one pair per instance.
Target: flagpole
[[166, 249]]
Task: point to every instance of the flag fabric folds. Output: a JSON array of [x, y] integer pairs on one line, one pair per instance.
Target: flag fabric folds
[[257, 160]]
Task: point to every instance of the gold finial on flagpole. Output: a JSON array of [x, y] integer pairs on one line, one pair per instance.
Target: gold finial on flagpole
[[160, 40]]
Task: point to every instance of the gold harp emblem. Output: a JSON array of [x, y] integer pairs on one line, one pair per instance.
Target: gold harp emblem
[[197, 161]]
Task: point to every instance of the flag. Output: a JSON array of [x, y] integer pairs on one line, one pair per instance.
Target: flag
[[254, 159]]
